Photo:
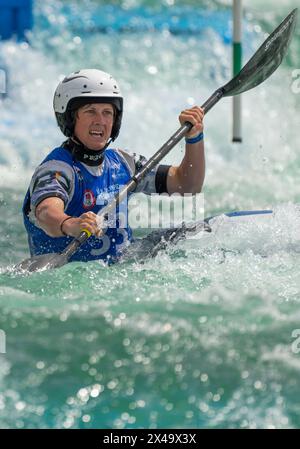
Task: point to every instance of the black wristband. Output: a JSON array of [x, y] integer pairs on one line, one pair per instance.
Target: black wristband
[[161, 178], [61, 226]]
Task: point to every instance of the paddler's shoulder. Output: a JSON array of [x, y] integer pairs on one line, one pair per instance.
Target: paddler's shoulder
[[127, 157], [59, 154]]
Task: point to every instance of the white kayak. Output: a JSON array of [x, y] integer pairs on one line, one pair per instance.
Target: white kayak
[[158, 240]]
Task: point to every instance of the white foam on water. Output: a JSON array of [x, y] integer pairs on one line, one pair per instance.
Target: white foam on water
[[227, 300]]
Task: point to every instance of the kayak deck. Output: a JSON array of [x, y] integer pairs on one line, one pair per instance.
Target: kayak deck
[[158, 240]]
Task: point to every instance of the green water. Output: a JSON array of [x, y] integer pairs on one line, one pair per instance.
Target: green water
[[201, 335]]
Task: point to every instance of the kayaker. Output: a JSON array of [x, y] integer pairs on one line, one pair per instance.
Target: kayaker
[[76, 179]]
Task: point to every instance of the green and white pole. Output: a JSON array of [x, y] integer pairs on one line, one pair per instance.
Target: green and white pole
[[237, 65]]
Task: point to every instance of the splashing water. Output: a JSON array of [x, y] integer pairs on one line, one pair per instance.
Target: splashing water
[[202, 335]]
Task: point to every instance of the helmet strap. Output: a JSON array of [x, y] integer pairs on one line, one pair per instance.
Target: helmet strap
[[83, 154]]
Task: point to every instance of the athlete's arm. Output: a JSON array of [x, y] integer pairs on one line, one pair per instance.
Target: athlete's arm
[[50, 216], [188, 177]]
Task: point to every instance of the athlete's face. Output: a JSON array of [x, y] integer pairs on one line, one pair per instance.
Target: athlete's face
[[93, 124]]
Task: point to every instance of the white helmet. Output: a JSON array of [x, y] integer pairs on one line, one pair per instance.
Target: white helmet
[[83, 87]]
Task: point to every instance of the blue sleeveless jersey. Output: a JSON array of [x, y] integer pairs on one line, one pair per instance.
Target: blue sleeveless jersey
[[91, 193]]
